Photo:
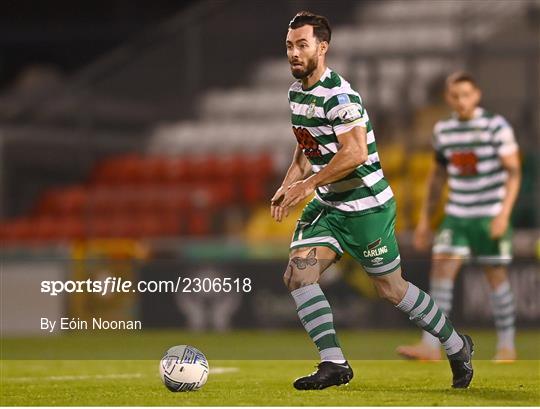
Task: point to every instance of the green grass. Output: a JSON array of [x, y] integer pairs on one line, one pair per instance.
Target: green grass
[[268, 382], [237, 345]]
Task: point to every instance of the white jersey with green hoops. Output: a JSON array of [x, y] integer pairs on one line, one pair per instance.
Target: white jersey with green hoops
[[471, 151], [320, 113]]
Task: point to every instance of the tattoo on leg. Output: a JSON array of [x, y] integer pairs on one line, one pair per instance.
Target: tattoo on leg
[[303, 263]]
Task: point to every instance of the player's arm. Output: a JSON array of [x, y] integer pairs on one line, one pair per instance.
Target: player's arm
[[299, 169], [437, 179], [351, 154], [512, 164]]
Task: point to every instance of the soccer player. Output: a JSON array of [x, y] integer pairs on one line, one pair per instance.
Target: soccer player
[[476, 153], [353, 210]]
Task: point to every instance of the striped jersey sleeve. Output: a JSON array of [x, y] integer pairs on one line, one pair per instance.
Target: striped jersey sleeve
[[344, 111], [503, 136]]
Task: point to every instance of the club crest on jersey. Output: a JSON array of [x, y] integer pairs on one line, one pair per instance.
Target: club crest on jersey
[[311, 110]]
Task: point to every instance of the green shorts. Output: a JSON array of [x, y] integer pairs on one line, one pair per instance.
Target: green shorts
[[468, 237], [368, 238]]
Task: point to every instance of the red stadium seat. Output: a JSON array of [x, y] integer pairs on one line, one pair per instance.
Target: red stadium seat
[[117, 170], [254, 191], [15, 231], [223, 194], [178, 169], [68, 201], [101, 200], [149, 170], [74, 228], [149, 226], [45, 228], [176, 199], [198, 223], [206, 168], [233, 166], [147, 199], [170, 224], [99, 227], [260, 166], [123, 226]]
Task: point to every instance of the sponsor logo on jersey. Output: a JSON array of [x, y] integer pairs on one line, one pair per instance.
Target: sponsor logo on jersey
[[349, 113], [444, 238], [374, 244], [373, 249], [376, 252], [311, 110], [343, 99], [377, 260]]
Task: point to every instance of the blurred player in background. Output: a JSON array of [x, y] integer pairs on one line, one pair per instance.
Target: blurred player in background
[[354, 209], [477, 154]]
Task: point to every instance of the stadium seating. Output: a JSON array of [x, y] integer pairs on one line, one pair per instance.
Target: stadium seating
[[232, 153], [137, 196]]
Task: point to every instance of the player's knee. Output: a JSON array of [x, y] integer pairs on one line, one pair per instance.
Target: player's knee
[[295, 278], [445, 266], [496, 275], [384, 290], [287, 275], [389, 291]]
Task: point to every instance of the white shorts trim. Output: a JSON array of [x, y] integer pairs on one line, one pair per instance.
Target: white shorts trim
[[494, 260], [318, 240], [383, 269], [463, 251]]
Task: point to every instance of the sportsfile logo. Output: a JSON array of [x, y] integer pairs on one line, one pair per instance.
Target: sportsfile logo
[[373, 249]]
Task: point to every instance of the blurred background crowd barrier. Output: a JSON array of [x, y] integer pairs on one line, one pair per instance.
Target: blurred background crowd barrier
[[173, 132]]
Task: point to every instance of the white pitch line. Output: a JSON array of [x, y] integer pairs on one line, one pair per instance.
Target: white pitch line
[[213, 371], [220, 370], [74, 377]]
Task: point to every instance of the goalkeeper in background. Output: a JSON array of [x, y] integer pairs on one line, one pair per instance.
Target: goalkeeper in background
[[477, 155]]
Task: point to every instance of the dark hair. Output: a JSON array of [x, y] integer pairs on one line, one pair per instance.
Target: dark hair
[[460, 76], [321, 27]]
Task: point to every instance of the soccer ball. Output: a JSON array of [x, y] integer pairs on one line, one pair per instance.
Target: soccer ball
[[183, 368]]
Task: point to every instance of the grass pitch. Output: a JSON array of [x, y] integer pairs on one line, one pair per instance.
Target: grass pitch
[[267, 382]]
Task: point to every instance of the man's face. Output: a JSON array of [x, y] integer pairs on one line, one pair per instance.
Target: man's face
[[302, 51], [463, 97]]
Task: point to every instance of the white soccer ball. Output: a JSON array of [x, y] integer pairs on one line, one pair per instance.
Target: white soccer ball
[[183, 368]]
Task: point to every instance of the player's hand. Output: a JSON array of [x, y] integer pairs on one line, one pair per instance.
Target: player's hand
[[276, 210], [422, 236], [499, 225], [297, 192]]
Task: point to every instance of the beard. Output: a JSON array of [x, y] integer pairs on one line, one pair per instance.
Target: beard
[[304, 73]]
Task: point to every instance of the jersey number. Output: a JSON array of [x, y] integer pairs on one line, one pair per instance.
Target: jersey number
[[465, 162], [307, 142]]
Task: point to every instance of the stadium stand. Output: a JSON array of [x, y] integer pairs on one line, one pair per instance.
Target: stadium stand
[[223, 150]]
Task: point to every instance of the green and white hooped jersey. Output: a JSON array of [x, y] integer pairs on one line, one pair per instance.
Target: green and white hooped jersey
[[320, 113], [471, 151]]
